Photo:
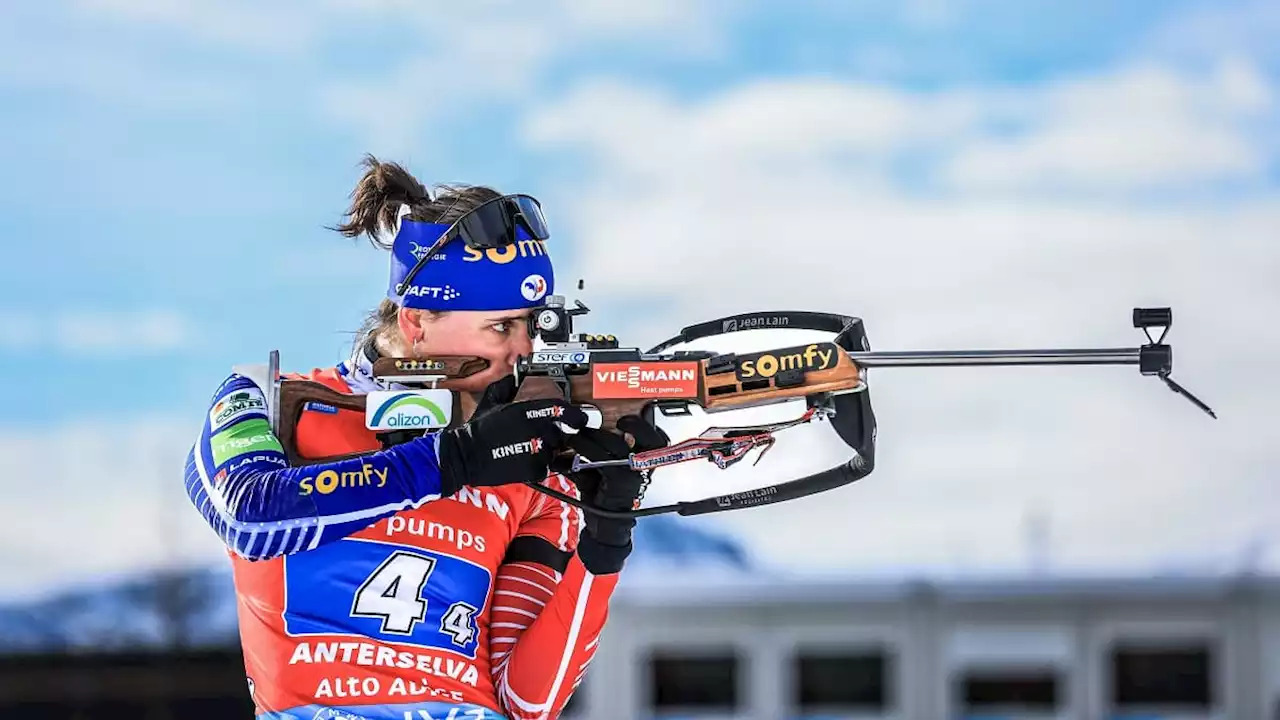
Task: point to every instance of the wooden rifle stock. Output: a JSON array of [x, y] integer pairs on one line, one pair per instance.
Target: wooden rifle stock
[[719, 386], [581, 392], [294, 393]]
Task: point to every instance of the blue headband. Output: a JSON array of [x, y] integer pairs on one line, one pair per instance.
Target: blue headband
[[462, 278]]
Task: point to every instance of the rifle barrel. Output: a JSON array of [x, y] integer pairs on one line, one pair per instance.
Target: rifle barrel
[[918, 358]]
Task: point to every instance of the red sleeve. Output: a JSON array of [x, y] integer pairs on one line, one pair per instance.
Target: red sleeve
[[545, 623]]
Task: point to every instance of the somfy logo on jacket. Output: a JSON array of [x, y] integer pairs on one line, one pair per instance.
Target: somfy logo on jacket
[[408, 409]]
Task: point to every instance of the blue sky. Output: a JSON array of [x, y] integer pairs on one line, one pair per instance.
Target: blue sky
[[170, 168], [158, 167]]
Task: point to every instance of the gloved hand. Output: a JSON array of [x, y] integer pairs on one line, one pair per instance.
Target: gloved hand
[[605, 542], [508, 444]]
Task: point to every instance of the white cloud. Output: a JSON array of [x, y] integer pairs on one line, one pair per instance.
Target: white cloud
[[496, 55], [1245, 28], [488, 26], [112, 505], [442, 60], [288, 26], [793, 195], [95, 332], [1139, 129]]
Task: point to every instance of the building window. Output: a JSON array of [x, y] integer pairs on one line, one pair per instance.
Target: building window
[[1010, 690], [831, 680], [686, 679], [1162, 676]]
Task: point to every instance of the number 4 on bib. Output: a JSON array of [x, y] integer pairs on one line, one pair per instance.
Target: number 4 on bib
[[393, 594], [397, 594]]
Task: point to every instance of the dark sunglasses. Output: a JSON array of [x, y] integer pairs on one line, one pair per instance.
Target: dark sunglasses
[[491, 225]]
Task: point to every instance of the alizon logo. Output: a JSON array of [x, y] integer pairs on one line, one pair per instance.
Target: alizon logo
[[408, 410]]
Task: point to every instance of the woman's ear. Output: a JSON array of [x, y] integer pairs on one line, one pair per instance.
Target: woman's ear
[[410, 322]]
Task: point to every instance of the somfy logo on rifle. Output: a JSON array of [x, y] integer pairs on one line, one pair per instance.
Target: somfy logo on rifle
[[528, 447], [815, 356]]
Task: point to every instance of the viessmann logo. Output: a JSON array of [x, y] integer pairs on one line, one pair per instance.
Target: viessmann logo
[[645, 379], [408, 410]]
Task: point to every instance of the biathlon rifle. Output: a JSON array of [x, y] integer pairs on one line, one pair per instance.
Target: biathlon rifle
[[594, 372]]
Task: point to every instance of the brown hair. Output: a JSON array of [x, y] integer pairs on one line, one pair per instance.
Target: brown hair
[[375, 207]]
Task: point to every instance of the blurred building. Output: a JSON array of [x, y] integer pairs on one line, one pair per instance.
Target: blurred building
[[698, 632], [1137, 649]]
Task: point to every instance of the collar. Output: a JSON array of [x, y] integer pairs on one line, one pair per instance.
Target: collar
[[357, 370]]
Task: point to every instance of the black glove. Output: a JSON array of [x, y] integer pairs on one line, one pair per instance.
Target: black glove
[[509, 444], [605, 542]]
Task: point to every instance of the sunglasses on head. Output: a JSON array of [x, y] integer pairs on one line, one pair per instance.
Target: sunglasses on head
[[493, 224]]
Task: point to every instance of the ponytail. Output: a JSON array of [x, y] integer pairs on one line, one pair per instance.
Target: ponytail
[[386, 187], [377, 199], [376, 202]]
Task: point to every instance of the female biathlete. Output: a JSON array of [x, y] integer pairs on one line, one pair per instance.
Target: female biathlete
[[421, 579]]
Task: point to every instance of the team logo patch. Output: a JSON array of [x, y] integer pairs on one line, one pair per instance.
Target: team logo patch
[[546, 412], [529, 447], [408, 410], [533, 288], [250, 436], [237, 404]]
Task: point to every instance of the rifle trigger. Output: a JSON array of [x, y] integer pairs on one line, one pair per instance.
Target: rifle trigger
[[767, 443]]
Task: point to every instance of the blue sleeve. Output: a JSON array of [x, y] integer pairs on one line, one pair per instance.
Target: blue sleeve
[[238, 478]]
